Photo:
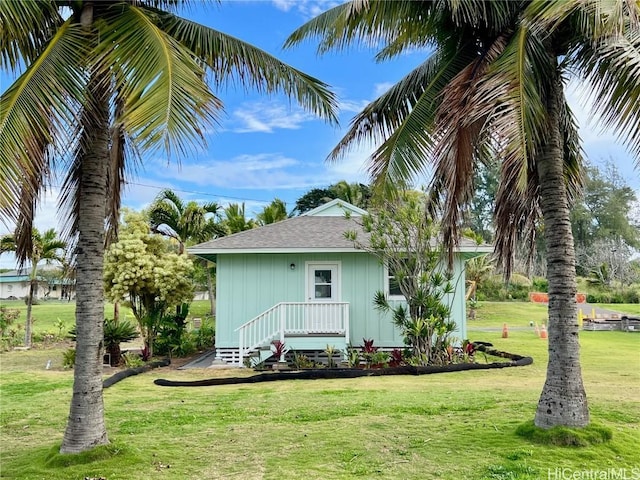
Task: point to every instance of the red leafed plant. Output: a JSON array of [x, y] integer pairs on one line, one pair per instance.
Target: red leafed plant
[[396, 358], [367, 346], [279, 349]]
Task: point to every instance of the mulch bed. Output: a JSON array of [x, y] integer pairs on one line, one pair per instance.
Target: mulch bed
[[315, 374]]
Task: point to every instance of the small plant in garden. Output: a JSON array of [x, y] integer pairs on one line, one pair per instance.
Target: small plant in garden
[[69, 358], [132, 360], [116, 333], [61, 325], [372, 357], [204, 337], [302, 361], [145, 353], [396, 359], [353, 357], [331, 351], [279, 349]]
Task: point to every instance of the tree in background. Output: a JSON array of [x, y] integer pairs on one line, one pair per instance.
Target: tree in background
[[312, 199], [357, 194], [104, 83], [184, 222], [479, 215], [402, 237], [187, 223], [234, 219], [44, 247], [276, 211], [492, 87], [604, 230], [143, 272]]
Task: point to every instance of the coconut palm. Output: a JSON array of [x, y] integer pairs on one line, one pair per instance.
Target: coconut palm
[[357, 194], [235, 219], [106, 82], [170, 216], [185, 223], [493, 86], [276, 211], [45, 247]]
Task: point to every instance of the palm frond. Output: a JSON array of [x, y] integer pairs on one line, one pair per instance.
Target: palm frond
[[612, 68], [166, 100], [37, 109], [231, 59], [400, 119], [25, 29]]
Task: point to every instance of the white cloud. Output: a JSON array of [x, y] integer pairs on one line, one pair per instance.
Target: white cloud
[[307, 8], [267, 117], [380, 88], [353, 106], [261, 171]]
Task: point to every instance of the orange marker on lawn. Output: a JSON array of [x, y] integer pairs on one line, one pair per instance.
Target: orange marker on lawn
[[537, 330], [505, 331], [543, 332]]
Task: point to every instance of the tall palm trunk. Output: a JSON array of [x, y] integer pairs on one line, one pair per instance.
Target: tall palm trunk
[[85, 427], [563, 399], [32, 291]]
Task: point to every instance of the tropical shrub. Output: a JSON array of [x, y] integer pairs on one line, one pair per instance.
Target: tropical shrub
[[116, 333], [69, 358]]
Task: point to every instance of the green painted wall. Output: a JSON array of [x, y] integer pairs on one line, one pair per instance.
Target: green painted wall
[[249, 284]]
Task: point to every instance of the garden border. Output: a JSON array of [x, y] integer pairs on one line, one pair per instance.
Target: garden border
[[324, 373]]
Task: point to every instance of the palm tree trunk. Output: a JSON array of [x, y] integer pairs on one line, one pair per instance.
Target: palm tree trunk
[[563, 400], [85, 426], [29, 321]]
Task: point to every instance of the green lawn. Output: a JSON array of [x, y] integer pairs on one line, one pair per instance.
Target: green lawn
[[47, 313], [448, 426]]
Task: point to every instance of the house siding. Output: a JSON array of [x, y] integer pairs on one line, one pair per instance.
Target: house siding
[[249, 284]]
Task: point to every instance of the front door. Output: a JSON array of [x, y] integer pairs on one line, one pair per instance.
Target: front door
[[323, 286]]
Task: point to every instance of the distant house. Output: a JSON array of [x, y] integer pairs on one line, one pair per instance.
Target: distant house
[[302, 281], [15, 284]]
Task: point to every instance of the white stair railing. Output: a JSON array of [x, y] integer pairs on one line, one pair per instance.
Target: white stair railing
[[293, 318]]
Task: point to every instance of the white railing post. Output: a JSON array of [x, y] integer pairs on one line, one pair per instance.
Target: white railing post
[[345, 322], [283, 311], [240, 364]]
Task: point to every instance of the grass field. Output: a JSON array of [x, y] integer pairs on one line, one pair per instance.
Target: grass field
[[47, 314], [447, 426]]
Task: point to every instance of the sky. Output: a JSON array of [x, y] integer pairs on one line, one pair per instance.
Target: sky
[[266, 146]]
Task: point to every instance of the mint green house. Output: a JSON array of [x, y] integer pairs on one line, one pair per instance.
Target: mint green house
[[301, 281]]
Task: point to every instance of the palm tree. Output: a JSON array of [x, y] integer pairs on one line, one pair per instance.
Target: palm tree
[[357, 194], [190, 222], [493, 87], [171, 217], [106, 82], [47, 247], [235, 219], [276, 211]]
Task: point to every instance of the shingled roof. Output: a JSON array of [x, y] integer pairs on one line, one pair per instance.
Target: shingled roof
[[294, 234], [321, 230]]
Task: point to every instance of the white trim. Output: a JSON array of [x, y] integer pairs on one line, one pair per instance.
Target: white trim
[[216, 251], [337, 264], [385, 281], [346, 206]]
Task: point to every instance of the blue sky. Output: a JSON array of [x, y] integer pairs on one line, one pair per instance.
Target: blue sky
[[267, 147]]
